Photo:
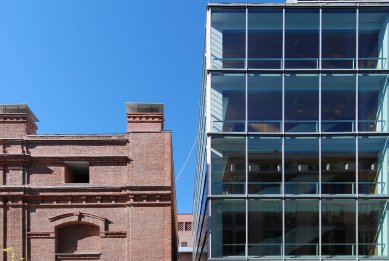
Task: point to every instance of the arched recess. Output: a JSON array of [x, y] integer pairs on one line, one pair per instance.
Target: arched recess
[[77, 237]]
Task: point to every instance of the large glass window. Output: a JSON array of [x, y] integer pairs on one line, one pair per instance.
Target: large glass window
[[228, 165], [373, 38], [338, 38], [301, 103], [338, 228], [338, 103], [228, 111], [228, 229], [301, 38], [373, 224], [264, 102], [265, 165], [265, 38], [373, 165], [338, 165], [302, 227], [373, 102], [302, 165], [265, 228], [228, 38]]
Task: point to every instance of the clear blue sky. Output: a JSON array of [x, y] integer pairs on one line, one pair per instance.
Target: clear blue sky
[[75, 63]]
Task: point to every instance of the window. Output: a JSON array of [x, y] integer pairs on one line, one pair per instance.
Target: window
[[188, 226], [76, 172], [181, 226], [184, 244]]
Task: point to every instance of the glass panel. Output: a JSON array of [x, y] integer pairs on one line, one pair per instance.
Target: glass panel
[[302, 38], [373, 38], [265, 223], [264, 102], [301, 103], [265, 165], [373, 165], [228, 229], [228, 165], [301, 165], [338, 165], [373, 224], [302, 227], [265, 38], [338, 38], [338, 103], [228, 36], [338, 228], [228, 112], [373, 102]]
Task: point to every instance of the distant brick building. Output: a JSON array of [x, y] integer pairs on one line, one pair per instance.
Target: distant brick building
[[185, 237], [87, 197]]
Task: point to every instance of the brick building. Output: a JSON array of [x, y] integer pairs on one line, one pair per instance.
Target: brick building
[[87, 197], [185, 237]]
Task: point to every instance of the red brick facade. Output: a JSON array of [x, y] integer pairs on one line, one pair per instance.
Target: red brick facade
[[124, 211]]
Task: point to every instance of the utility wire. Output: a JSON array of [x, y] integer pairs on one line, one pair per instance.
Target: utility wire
[[186, 161]]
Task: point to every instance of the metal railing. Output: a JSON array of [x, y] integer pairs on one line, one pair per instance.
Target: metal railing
[[301, 63]]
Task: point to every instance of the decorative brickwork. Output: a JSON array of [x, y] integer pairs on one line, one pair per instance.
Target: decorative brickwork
[[126, 210]]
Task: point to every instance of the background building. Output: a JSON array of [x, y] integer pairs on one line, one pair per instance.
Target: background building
[[87, 197], [293, 134], [185, 237]]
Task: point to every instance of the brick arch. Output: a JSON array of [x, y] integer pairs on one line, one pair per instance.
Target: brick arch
[[77, 237], [63, 219]]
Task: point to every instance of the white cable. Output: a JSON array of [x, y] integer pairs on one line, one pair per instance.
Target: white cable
[[186, 161]]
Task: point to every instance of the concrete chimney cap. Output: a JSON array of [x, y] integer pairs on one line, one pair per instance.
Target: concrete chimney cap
[[17, 109], [139, 107]]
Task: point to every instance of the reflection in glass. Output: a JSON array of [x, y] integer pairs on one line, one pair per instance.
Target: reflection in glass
[[228, 112], [265, 223], [228, 229], [228, 38], [301, 103], [373, 38], [338, 103], [301, 38], [264, 102], [302, 227], [338, 165], [338, 38], [228, 165], [265, 165], [373, 235], [373, 102], [265, 38], [373, 165], [301, 165], [338, 227]]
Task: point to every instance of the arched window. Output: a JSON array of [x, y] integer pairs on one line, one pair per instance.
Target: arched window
[[78, 238]]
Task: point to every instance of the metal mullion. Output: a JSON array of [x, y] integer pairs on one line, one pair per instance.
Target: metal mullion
[[283, 167], [208, 40], [320, 37], [283, 40], [320, 225], [246, 40], [283, 229], [320, 168], [247, 229], [210, 228], [356, 229], [357, 39]]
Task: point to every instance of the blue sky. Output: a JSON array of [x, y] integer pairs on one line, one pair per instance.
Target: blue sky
[[76, 62]]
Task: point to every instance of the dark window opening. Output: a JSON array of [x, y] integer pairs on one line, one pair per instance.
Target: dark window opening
[[76, 172]]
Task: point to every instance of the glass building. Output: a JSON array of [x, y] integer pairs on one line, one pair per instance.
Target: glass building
[[293, 157]]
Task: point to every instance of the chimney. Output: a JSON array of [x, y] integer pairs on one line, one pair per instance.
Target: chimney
[[16, 121], [144, 117]]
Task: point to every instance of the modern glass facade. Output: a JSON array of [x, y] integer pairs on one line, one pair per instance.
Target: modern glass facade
[[293, 147]]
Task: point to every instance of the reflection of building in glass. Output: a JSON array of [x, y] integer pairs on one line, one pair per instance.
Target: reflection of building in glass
[[293, 155]]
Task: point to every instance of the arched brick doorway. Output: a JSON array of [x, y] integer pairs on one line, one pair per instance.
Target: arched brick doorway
[[78, 241]]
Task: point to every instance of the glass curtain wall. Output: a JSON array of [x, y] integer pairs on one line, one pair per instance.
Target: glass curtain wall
[[298, 164]]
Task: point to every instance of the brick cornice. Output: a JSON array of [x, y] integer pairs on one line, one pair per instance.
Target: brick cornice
[[144, 117]]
